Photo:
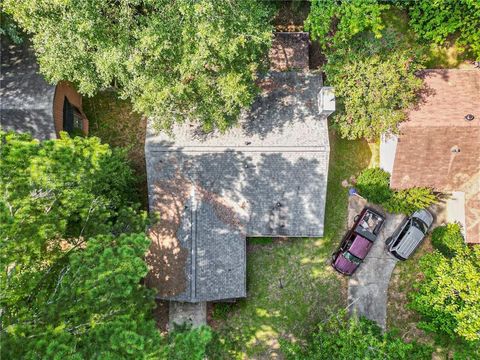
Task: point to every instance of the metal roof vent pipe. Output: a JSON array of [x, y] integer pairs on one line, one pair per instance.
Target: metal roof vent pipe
[[469, 117]]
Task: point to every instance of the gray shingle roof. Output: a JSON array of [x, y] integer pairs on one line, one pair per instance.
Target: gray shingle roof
[[26, 99], [265, 177]]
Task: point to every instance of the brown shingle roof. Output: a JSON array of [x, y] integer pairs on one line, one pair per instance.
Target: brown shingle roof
[[438, 147]]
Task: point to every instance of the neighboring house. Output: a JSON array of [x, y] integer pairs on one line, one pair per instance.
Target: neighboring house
[[265, 177], [29, 104], [439, 145]]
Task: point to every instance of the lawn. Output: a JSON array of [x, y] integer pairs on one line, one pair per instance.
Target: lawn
[[115, 123], [290, 285]]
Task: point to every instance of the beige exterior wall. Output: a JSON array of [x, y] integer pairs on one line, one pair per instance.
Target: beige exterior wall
[[62, 90]]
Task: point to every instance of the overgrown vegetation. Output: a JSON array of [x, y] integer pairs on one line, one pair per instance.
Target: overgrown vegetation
[[175, 60], [444, 20], [448, 296], [371, 67], [374, 185], [73, 243], [72, 247], [352, 339], [113, 121]]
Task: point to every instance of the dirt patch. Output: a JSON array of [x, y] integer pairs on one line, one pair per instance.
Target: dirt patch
[[275, 242], [160, 314], [289, 51], [291, 15]]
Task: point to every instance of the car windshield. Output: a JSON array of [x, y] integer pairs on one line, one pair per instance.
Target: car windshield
[[351, 258], [420, 225]]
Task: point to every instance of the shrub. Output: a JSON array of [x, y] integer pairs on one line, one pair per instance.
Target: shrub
[[374, 185], [437, 20], [448, 296], [343, 338], [372, 69], [410, 200], [448, 239]]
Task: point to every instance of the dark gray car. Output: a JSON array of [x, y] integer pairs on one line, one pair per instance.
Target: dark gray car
[[409, 235]]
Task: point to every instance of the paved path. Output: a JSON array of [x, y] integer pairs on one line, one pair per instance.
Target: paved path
[[194, 314], [368, 287]]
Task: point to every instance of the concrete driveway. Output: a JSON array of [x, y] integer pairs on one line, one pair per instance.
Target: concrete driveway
[[368, 287]]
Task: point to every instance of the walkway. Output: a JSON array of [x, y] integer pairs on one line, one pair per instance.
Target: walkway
[[194, 314], [368, 287]]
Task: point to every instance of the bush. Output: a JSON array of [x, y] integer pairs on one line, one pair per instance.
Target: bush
[[343, 338], [448, 239], [436, 21], [448, 296], [372, 69], [374, 185], [410, 200]]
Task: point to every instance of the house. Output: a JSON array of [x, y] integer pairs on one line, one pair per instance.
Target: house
[[439, 145], [29, 104], [265, 177]]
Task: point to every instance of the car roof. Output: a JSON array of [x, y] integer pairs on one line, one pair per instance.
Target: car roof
[[409, 242]]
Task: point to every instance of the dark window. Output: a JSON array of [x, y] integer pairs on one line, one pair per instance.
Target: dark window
[[402, 233], [72, 118]]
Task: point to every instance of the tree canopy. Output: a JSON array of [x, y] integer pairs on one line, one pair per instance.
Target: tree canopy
[[448, 296], [176, 60], [71, 263], [440, 20], [370, 66]]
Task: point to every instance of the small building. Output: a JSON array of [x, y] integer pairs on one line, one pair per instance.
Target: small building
[[28, 104], [439, 144], [265, 177]]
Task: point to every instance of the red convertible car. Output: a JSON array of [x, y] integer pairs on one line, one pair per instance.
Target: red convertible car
[[357, 242]]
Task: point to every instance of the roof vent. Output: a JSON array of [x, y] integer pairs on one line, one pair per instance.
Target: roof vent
[[469, 117], [455, 149]]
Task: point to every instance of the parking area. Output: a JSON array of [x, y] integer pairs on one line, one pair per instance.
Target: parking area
[[368, 287]]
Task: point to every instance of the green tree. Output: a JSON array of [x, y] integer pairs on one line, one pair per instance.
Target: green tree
[[335, 23], [54, 196], [191, 344], [438, 20], [8, 27], [372, 68], [343, 338], [448, 296], [97, 308], [373, 92], [176, 60]]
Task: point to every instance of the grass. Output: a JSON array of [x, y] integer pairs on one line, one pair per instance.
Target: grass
[[290, 285], [114, 122]]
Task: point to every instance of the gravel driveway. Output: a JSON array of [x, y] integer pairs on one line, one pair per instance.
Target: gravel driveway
[[368, 287]]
